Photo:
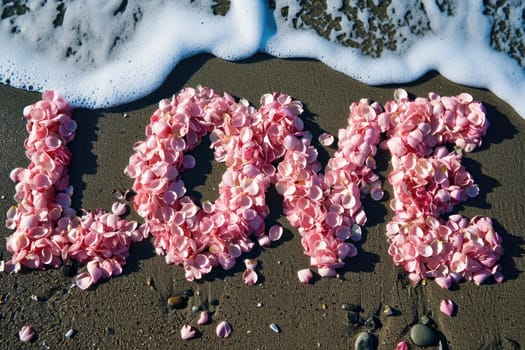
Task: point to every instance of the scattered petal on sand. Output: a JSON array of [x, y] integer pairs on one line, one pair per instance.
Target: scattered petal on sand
[[305, 275], [250, 277], [203, 318], [326, 139], [223, 329], [187, 332], [402, 345], [447, 307], [27, 334]]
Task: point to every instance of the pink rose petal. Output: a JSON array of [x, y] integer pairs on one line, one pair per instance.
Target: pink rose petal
[[250, 264], [189, 162], [27, 334], [402, 345], [305, 275], [223, 329], [275, 232], [327, 272], [187, 332], [447, 307], [264, 241], [400, 94], [118, 208], [203, 318], [250, 277], [83, 280], [376, 193], [326, 139], [95, 271]]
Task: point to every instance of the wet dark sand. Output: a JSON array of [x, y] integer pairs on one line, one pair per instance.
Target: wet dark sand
[[126, 313]]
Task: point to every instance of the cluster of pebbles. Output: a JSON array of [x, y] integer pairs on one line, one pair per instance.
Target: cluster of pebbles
[[421, 334], [182, 299]]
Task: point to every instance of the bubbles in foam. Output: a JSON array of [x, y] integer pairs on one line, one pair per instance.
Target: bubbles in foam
[[100, 53], [124, 51]]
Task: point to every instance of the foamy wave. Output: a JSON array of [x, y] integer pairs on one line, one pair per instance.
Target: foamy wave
[[101, 54]]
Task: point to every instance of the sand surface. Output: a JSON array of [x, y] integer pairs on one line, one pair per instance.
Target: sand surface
[[126, 313]]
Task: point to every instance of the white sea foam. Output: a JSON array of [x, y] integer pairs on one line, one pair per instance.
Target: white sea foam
[[103, 53]]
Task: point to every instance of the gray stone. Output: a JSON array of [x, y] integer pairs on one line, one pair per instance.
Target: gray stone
[[353, 317], [274, 327], [365, 341], [422, 335]]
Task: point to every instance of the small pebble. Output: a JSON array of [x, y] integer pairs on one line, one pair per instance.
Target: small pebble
[[34, 297], [177, 302], [150, 283], [422, 335], [372, 322], [351, 307], [129, 194], [126, 115], [425, 320], [259, 304], [274, 327], [195, 309], [3, 196], [188, 293], [365, 341], [109, 331], [388, 311], [70, 334], [353, 317], [324, 306]]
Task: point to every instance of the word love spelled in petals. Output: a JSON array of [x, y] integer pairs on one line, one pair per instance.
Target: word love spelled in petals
[[263, 147], [260, 147], [47, 229]]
